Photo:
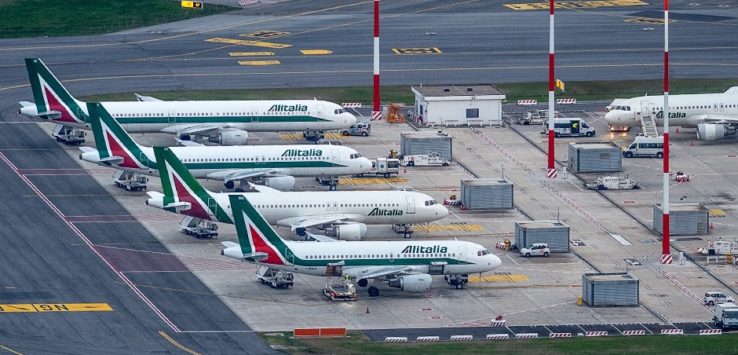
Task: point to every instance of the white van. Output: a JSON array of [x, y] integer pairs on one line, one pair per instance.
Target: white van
[[644, 146], [570, 127]]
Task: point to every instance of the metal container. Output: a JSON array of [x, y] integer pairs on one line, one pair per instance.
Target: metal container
[[684, 219], [487, 194], [610, 289], [424, 143], [553, 233], [593, 157]]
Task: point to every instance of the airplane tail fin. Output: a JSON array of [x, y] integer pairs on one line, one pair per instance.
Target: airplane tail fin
[[113, 143], [52, 99], [182, 189], [257, 238]]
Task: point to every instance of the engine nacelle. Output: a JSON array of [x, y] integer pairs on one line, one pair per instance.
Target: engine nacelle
[[412, 283], [711, 131], [349, 231], [230, 136], [281, 183]]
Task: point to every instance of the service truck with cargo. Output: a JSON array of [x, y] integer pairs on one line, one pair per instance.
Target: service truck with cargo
[[725, 316]]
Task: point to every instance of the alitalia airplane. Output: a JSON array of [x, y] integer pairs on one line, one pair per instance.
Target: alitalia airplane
[[402, 264], [226, 122], [346, 212], [276, 165], [714, 115]]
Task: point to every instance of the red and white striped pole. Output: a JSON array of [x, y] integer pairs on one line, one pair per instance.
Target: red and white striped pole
[[376, 109], [551, 171], [665, 249]]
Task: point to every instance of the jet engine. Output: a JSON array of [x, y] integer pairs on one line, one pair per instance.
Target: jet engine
[[281, 183], [230, 136], [347, 231], [412, 283], [711, 131]]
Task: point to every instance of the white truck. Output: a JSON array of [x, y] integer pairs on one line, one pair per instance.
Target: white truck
[[432, 159], [613, 183], [68, 135], [536, 117], [384, 166], [275, 278], [719, 247], [725, 316], [570, 127], [130, 181]]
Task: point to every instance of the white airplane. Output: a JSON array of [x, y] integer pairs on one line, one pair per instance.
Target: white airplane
[[276, 165], [714, 115], [346, 212], [225, 122], [402, 264]]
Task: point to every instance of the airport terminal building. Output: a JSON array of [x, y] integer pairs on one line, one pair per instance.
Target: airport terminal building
[[458, 105]]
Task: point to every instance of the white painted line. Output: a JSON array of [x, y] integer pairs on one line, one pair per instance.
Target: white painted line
[[620, 239]]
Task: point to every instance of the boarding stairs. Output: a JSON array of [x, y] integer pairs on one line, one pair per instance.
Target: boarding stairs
[[648, 124]]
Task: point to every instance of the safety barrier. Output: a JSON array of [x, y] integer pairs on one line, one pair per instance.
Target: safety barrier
[[498, 323], [319, 332], [351, 104], [711, 331], [526, 335], [672, 331], [559, 335], [395, 339], [527, 102], [566, 101], [376, 115], [428, 338], [461, 337], [498, 336], [634, 332], [596, 333]]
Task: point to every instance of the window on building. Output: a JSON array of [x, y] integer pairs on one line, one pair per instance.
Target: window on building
[[472, 113]]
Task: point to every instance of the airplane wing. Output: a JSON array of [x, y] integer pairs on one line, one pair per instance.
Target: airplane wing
[[232, 175], [194, 129], [145, 98], [51, 115], [185, 143], [263, 189], [322, 238], [718, 118], [372, 272], [309, 221]]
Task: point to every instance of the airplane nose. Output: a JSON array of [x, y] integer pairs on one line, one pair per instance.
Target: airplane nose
[[495, 261], [442, 211]]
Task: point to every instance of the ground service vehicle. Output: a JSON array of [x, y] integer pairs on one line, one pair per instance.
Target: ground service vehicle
[[644, 146], [130, 181], [458, 280], [432, 159], [716, 297], [68, 135], [384, 166], [535, 117], [571, 127], [613, 183], [359, 129], [275, 278], [725, 315], [340, 291], [537, 249]]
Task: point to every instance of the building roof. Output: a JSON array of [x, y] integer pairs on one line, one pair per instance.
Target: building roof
[[457, 90], [541, 224], [615, 276]]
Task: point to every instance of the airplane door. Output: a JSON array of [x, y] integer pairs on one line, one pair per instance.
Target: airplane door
[[320, 110], [172, 116], [410, 204], [645, 109]]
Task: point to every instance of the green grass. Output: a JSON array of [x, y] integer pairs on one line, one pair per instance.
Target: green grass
[[582, 91], [357, 344], [32, 18]]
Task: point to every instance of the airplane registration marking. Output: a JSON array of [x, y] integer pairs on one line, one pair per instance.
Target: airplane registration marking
[[412, 51], [265, 34], [370, 180], [248, 43], [54, 307], [574, 4], [454, 227], [250, 54], [499, 278], [258, 62], [716, 212]]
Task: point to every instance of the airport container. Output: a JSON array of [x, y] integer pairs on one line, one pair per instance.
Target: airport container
[[424, 143], [594, 157], [684, 219], [487, 194], [610, 289], [553, 233]]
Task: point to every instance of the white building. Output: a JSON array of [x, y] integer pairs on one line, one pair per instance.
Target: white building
[[451, 105]]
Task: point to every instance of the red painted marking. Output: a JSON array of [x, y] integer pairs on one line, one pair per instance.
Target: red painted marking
[[55, 105], [665, 249], [117, 150], [551, 152], [377, 101], [197, 209], [261, 245], [551, 79]]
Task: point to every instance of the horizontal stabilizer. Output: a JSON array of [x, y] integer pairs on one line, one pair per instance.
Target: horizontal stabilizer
[[320, 238], [145, 98]]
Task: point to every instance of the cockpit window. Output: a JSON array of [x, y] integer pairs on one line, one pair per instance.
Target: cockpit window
[[482, 252], [431, 202], [355, 156], [338, 111], [622, 108]]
